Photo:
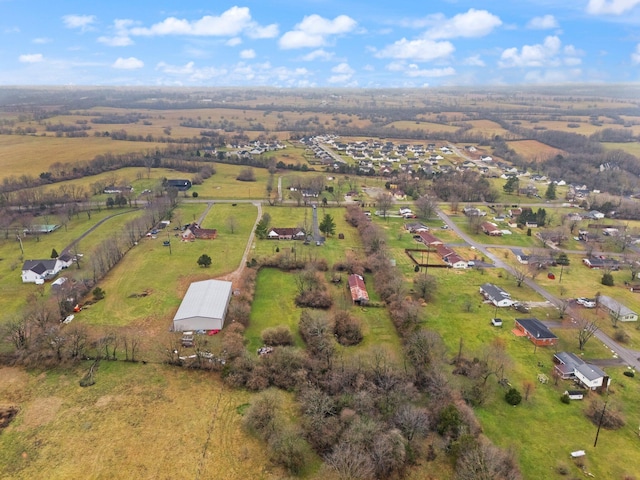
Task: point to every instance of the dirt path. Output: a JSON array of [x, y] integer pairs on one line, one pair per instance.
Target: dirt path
[[75, 242], [235, 276]]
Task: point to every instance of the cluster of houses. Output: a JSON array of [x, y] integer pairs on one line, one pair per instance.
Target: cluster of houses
[[256, 147], [449, 256]]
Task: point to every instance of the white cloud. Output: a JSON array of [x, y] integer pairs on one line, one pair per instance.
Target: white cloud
[[474, 61], [176, 69], [538, 55], [319, 54], [117, 41], [635, 56], [41, 40], [83, 22], [31, 58], [553, 76], [232, 22], [342, 73], [121, 34], [611, 7], [248, 54], [419, 50], [414, 71], [472, 24], [232, 42], [343, 68], [314, 30], [545, 22], [130, 63]]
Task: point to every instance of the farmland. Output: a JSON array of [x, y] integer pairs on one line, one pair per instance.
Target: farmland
[[194, 420]]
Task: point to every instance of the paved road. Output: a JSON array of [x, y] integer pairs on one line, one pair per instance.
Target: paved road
[[629, 357]]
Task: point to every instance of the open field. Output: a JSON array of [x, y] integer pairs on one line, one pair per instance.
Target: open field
[[423, 126], [41, 152], [142, 421], [534, 150]]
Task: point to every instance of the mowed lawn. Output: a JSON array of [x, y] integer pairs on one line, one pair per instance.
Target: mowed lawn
[[137, 422]]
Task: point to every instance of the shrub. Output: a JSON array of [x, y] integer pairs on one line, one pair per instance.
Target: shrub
[[562, 468], [607, 279], [610, 417], [621, 336], [277, 336], [513, 396], [565, 398], [628, 373], [347, 329]]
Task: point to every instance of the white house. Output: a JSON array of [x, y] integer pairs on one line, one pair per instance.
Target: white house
[[570, 366], [37, 271], [496, 295], [617, 310]]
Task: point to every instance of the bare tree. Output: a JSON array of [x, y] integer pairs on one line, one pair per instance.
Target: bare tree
[[485, 461], [520, 275], [426, 206], [587, 328], [384, 203], [350, 462], [232, 224]]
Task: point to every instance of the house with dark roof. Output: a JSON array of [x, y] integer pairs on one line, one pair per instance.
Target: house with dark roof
[[181, 184], [496, 295], [37, 271], [536, 331], [286, 234], [358, 289], [598, 263], [571, 367], [193, 232]]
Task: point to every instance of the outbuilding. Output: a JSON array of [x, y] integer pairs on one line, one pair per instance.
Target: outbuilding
[[204, 306]]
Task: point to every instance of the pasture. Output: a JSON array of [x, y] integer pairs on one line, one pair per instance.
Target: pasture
[[31, 155]]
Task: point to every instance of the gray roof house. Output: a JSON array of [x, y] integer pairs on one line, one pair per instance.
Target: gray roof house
[[496, 295], [570, 366], [617, 310], [204, 306]]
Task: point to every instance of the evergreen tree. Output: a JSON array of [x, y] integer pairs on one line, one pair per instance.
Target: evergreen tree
[[550, 194], [204, 260], [328, 226], [54, 253], [512, 185]]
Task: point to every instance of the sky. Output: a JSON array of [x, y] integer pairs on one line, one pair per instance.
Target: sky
[[319, 43]]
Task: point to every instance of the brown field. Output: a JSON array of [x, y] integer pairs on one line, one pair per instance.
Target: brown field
[[585, 128], [31, 155], [423, 126], [487, 127], [534, 150], [139, 421]]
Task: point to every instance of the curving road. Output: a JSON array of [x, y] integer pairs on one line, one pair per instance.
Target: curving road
[[629, 357]]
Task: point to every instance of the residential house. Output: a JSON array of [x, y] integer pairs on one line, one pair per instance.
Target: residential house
[[429, 239], [473, 212], [358, 289], [496, 295], [617, 310], [193, 232], [536, 331], [180, 184], [416, 227], [594, 215], [37, 271], [286, 234], [490, 229], [598, 263], [571, 367]]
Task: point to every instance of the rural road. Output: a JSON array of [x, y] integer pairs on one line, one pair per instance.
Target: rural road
[[77, 240], [629, 357]]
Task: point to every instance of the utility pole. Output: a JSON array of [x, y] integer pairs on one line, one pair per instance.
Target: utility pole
[[604, 407]]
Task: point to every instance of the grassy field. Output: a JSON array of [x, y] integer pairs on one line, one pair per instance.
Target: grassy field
[[142, 421], [177, 266], [42, 152]]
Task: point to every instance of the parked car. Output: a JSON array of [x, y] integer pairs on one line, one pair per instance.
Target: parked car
[[496, 322], [521, 307], [586, 302]]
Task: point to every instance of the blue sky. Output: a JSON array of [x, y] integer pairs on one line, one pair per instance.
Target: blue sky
[[319, 43]]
